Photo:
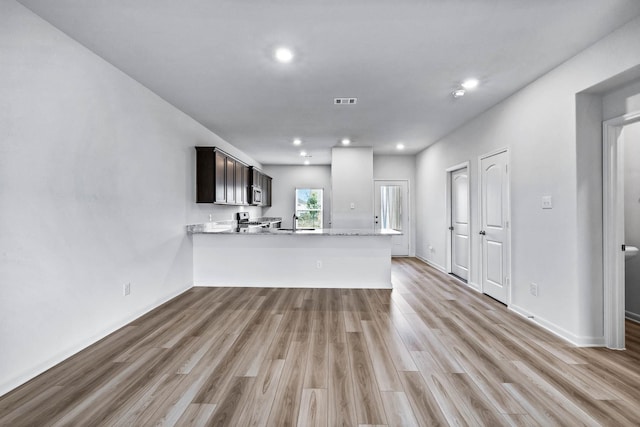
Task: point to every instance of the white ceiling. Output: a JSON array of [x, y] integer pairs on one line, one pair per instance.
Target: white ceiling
[[401, 58]]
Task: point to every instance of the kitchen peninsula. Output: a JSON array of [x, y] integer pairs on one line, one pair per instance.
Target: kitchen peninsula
[[269, 257]]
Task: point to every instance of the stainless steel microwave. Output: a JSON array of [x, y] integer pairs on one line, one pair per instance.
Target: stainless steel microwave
[[256, 195]]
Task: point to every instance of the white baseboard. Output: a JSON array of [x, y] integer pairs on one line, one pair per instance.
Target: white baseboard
[[440, 268], [476, 287], [17, 381], [632, 316], [432, 264], [580, 341]]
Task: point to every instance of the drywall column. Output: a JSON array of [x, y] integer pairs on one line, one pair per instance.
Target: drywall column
[[352, 187]]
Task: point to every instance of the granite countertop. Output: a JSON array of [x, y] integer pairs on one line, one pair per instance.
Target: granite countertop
[[216, 228]]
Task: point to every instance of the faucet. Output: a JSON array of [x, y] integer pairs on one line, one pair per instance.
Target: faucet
[[295, 218]]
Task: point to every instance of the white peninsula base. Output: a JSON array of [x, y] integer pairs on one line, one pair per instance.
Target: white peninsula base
[[292, 260]]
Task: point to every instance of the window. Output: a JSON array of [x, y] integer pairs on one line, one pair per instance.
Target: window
[[390, 207], [309, 207]]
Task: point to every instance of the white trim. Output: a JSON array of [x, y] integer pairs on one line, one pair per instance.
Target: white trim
[[509, 227], [580, 341], [473, 286], [613, 229], [432, 264], [449, 244], [634, 317], [52, 361]]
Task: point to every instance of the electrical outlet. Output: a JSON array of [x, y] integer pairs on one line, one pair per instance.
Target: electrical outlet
[[319, 264], [126, 289], [533, 289]]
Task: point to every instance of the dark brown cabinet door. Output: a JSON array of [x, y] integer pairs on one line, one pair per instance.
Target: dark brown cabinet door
[[220, 176], [230, 181], [266, 190], [241, 184], [257, 178], [245, 184]]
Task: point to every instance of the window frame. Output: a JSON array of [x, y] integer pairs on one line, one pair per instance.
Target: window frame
[[321, 210]]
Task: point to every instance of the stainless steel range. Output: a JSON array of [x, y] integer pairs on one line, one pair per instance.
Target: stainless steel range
[[244, 222]]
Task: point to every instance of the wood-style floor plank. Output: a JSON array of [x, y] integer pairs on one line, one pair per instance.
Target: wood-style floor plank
[[431, 352], [313, 408], [341, 397]]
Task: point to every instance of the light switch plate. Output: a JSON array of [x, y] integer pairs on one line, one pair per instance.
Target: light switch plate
[[547, 202], [353, 205]]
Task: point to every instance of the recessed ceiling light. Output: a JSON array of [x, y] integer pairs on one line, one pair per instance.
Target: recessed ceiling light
[[458, 93], [346, 141], [400, 146], [470, 83], [306, 162], [283, 54], [303, 153], [297, 141]]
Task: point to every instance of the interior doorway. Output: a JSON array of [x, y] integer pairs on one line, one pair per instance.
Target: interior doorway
[[459, 221], [614, 229], [392, 213]]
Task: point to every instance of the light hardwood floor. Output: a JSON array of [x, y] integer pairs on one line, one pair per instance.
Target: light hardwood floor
[[432, 352]]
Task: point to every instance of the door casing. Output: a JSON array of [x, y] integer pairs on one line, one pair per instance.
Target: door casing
[[449, 243], [613, 229]]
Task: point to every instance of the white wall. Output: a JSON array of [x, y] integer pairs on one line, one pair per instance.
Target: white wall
[[96, 186], [400, 168], [623, 100], [632, 216], [285, 181], [352, 187], [549, 156]]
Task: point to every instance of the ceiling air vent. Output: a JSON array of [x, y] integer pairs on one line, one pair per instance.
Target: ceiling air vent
[[345, 101]]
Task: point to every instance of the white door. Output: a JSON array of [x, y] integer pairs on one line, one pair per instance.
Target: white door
[[460, 223], [392, 213], [494, 210]]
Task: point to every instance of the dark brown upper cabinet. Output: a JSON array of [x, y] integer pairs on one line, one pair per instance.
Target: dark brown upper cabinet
[[266, 190], [223, 179]]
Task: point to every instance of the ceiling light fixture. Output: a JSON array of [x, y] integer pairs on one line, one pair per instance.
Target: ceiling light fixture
[[283, 54], [400, 146], [470, 84], [306, 162], [346, 141], [303, 153], [297, 141], [458, 93]]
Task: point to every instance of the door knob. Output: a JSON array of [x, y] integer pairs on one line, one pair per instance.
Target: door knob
[[482, 232]]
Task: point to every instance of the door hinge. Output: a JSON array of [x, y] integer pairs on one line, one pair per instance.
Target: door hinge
[[451, 228], [506, 280], [506, 168], [624, 247]]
